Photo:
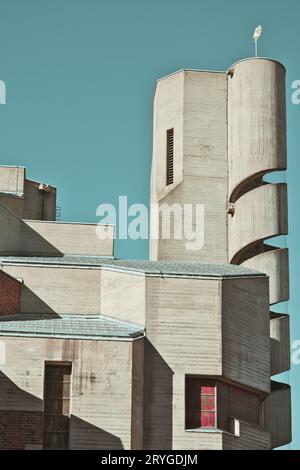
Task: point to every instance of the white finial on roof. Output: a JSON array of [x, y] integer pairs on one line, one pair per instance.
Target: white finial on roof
[[256, 36]]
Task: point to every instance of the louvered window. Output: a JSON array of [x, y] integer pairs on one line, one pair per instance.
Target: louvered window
[[170, 156]]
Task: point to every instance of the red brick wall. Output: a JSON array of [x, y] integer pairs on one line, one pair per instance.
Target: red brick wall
[[20, 428], [10, 294]]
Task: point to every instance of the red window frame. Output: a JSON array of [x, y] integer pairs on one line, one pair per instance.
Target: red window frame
[[201, 403]]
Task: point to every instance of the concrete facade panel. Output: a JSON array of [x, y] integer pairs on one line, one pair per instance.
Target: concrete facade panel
[[277, 414], [101, 400], [280, 343], [123, 296], [256, 119], [246, 358], [74, 239], [274, 263], [58, 290], [259, 214]]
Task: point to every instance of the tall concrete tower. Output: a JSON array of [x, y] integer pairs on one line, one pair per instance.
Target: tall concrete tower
[[216, 135]]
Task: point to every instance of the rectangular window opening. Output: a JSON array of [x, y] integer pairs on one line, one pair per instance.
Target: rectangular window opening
[[170, 156], [57, 397], [200, 403]]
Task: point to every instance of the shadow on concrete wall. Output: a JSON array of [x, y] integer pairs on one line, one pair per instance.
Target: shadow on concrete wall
[[87, 436], [158, 398], [13, 397], [22, 423], [32, 303], [26, 241], [32, 243]]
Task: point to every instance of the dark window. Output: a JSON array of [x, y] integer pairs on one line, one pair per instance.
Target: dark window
[[201, 403], [170, 156], [57, 393]]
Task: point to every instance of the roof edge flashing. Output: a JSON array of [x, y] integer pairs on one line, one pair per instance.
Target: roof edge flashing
[[256, 59], [190, 70]]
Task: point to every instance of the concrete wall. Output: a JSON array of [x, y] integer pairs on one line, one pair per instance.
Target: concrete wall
[[10, 234], [183, 321], [245, 332], [58, 289], [123, 295], [249, 437], [183, 325], [205, 158], [168, 113], [259, 214], [73, 238], [280, 343], [194, 104], [12, 179], [237, 403], [137, 406], [277, 414], [256, 120], [82, 290], [40, 238], [26, 200], [101, 403], [274, 263], [18, 238], [203, 328], [256, 146], [38, 204], [13, 203]]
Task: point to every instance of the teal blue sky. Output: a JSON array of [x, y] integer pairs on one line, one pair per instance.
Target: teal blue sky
[[80, 78]]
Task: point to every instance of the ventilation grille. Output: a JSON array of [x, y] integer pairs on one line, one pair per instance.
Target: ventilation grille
[[170, 156]]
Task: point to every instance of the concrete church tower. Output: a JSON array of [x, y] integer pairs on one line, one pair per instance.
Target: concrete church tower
[[226, 131], [216, 135]]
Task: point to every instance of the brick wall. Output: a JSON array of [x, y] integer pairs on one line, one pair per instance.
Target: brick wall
[[10, 294], [20, 428]]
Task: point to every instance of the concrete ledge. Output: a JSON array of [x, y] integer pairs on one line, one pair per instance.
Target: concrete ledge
[[274, 263], [277, 414], [259, 214], [280, 343]]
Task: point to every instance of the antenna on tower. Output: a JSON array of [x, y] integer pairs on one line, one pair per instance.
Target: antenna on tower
[[256, 36]]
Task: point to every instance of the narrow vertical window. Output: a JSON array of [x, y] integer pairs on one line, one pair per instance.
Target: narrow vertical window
[[57, 395], [170, 156], [201, 403]]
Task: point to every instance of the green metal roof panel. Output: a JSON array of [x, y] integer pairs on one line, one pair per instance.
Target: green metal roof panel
[[68, 326], [158, 268], [183, 269]]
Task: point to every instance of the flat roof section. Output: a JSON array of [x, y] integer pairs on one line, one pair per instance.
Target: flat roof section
[[92, 327], [149, 268]]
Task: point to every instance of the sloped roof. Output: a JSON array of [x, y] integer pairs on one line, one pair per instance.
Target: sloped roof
[[95, 327], [151, 268]]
